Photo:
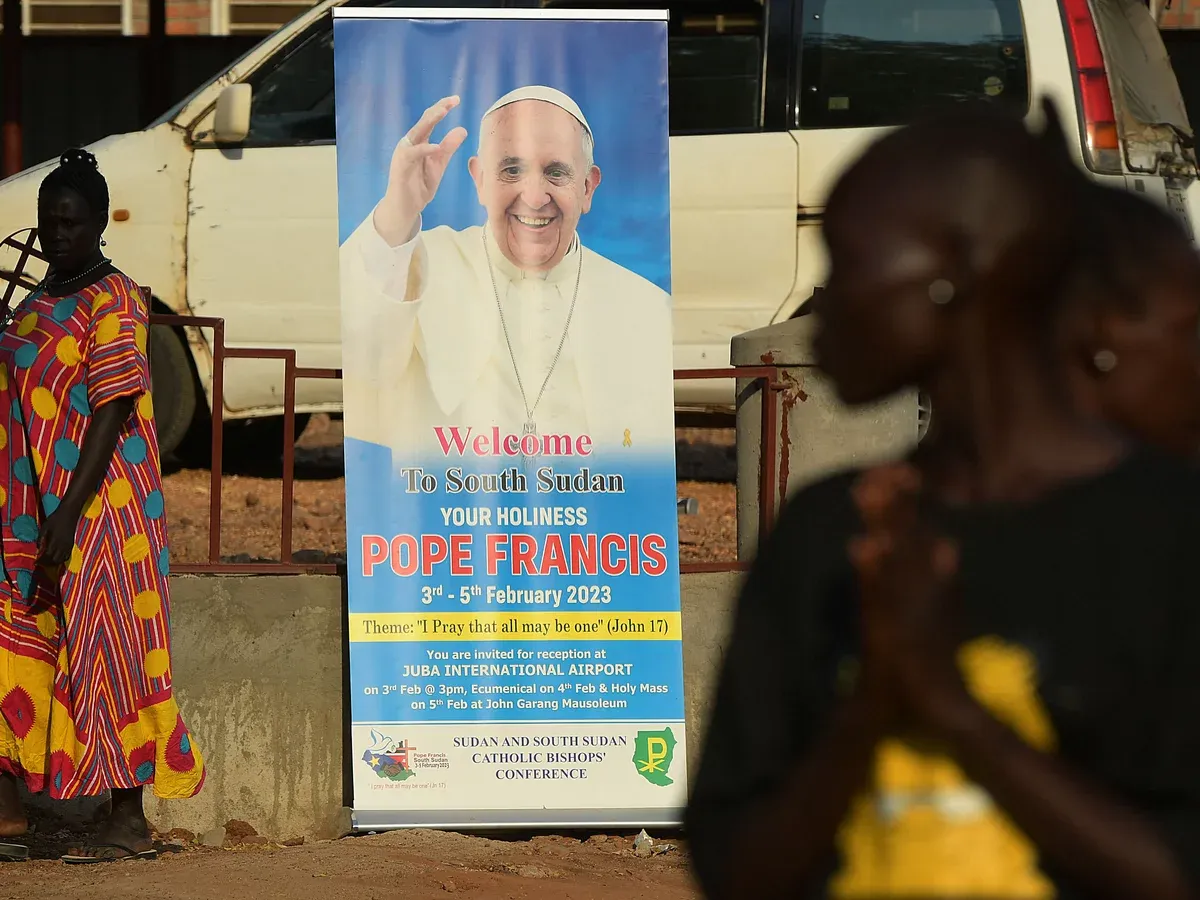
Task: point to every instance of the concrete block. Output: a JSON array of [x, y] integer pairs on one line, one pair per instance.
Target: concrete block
[[258, 669], [707, 603]]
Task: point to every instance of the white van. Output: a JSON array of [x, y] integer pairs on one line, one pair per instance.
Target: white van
[[769, 100]]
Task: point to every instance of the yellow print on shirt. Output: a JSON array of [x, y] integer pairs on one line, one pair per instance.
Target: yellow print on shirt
[[924, 829]]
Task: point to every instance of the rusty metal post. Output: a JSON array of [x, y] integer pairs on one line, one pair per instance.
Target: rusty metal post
[[768, 471], [216, 461], [10, 50], [288, 499]]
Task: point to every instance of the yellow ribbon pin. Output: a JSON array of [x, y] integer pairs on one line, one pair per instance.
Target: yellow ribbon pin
[[628, 439]]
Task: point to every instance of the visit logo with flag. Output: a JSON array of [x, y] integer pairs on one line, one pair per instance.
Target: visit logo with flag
[[389, 758], [652, 754]]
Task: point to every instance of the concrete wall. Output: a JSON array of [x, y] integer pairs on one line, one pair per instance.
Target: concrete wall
[[259, 667], [707, 602]]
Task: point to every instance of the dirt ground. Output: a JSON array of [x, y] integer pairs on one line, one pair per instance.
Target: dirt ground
[[415, 865], [252, 501]]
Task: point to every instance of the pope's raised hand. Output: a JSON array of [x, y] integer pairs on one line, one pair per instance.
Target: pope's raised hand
[[418, 165]]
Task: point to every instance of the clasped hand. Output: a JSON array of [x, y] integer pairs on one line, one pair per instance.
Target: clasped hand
[[907, 579]]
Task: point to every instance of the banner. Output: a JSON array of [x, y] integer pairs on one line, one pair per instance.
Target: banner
[[504, 215]]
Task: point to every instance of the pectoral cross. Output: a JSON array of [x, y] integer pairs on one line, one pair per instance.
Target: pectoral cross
[[530, 428]]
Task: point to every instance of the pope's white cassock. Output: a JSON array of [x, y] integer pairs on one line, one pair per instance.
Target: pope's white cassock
[[423, 344]]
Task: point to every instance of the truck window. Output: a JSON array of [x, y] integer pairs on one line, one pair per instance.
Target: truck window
[[292, 102], [715, 67], [875, 63], [714, 61]]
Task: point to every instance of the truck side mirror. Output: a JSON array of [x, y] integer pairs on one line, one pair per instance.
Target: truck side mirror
[[231, 123]]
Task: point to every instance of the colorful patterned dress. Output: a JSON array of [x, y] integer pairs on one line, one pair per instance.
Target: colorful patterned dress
[[85, 667]]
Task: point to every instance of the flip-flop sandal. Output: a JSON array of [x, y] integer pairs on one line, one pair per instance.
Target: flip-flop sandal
[[130, 854], [13, 852]]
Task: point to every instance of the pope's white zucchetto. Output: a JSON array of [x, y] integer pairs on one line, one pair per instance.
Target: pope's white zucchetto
[[546, 95]]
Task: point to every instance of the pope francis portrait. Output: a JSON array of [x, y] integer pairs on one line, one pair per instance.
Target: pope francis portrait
[[512, 324]]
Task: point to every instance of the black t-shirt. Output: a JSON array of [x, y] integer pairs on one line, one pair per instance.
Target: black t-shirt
[[1083, 635]]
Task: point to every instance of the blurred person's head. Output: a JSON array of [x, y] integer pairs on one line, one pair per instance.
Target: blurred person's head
[[1133, 322], [947, 239]]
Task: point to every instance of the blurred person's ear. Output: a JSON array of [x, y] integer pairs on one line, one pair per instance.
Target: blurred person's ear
[[1101, 333], [1086, 327]]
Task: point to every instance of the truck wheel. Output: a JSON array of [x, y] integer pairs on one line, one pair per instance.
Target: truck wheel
[[174, 387], [249, 444], [258, 443]]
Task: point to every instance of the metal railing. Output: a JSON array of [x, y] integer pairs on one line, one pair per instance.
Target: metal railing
[[770, 486], [767, 379], [769, 489], [291, 373]]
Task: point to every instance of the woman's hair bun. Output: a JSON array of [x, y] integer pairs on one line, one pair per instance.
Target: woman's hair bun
[[78, 157]]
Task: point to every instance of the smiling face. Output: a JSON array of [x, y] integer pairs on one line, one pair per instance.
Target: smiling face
[[535, 181]]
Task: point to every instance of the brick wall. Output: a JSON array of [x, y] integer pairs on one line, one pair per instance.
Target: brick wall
[[189, 16], [183, 16], [1182, 14]]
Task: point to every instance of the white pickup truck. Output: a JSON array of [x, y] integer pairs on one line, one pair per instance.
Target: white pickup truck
[[769, 100]]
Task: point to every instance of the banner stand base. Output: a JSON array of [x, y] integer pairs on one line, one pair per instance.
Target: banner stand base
[[471, 820]]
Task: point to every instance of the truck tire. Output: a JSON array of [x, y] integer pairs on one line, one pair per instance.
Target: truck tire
[[173, 385], [257, 444], [249, 445]]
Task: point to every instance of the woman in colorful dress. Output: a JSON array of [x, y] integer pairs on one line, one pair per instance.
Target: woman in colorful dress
[[86, 705]]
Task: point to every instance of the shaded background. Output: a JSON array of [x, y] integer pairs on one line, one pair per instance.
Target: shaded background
[[389, 70]]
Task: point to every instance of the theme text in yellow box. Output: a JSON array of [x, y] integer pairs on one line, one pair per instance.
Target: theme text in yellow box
[[497, 626]]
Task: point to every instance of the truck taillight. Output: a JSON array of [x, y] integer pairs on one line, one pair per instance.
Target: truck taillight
[[1098, 118]]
